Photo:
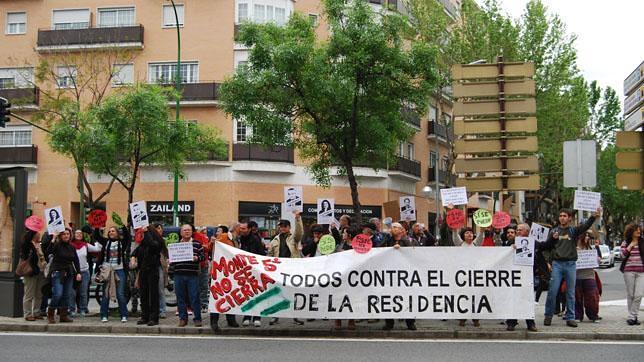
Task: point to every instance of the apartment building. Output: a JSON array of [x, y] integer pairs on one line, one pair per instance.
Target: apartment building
[[247, 183], [634, 99]]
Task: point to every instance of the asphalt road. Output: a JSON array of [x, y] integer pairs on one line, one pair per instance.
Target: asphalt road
[[41, 347], [612, 283]]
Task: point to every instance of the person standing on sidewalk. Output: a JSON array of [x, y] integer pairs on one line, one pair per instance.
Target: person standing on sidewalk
[[633, 269], [287, 245], [222, 237], [251, 243], [64, 269], [115, 252], [563, 241], [30, 250], [586, 288], [148, 259], [186, 279], [522, 230], [81, 293], [204, 277]]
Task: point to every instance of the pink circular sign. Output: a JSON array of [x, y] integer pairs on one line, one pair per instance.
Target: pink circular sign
[[501, 219], [455, 218], [361, 243], [34, 223]]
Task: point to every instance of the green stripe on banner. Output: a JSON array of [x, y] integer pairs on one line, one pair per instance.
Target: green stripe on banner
[[284, 304], [253, 302]]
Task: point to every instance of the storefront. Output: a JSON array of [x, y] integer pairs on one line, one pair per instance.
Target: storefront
[[161, 212]]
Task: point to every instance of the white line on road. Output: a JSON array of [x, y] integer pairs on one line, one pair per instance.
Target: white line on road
[[326, 339]]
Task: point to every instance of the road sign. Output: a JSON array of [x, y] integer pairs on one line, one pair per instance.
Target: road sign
[[481, 108], [632, 160], [489, 164], [635, 120], [630, 180], [580, 163], [631, 139], [479, 71], [491, 89], [514, 183], [493, 125], [489, 145]]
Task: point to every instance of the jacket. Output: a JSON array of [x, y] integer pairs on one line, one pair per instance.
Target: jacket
[[252, 243], [65, 258], [292, 241], [565, 247], [28, 252], [123, 247], [149, 252]]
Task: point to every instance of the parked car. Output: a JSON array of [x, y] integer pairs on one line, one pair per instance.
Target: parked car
[[617, 253], [607, 259]]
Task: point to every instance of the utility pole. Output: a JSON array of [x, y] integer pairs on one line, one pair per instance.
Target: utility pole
[[175, 200]]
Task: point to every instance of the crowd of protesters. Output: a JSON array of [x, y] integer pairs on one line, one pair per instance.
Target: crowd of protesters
[[132, 267]]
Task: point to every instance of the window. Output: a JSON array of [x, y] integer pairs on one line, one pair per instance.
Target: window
[[168, 15], [114, 17], [260, 13], [16, 77], [447, 119], [15, 137], [433, 114], [406, 150], [263, 11], [401, 149], [240, 58], [242, 132], [410, 151], [6, 83], [166, 72], [242, 12], [66, 77], [16, 23], [123, 74], [313, 18], [71, 19], [445, 163], [432, 159]]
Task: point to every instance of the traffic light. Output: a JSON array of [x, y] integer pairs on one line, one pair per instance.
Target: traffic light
[[5, 111]]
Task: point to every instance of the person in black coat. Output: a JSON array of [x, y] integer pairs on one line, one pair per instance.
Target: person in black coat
[[64, 269], [148, 259]]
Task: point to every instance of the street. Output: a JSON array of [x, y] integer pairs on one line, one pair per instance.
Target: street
[[68, 347]]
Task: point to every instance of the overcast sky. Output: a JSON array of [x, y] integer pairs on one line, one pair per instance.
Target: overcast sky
[[610, 35]]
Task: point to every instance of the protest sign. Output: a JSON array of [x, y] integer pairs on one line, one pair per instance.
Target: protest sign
[[139, 215], [455, 218], [482, 218], [501, 219], [454, 196], [539, 232], [361, 243], [524, 252], [587, 259], [326, 245], [97, 218], [423, 283], [407, 208], [293, 199], [55, 222], [180, 252], [326, 208], [587, 200], [34, 223]]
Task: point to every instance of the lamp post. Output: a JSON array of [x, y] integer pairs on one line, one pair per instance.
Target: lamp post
[[177, 84]]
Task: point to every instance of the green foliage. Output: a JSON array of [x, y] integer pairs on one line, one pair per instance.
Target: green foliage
[[605, 114], [337, 101], [132, 128]]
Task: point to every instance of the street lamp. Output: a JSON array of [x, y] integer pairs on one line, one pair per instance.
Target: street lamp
[[177, 84]]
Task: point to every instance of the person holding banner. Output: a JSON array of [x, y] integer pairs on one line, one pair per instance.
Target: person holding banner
[[64, 269], [348, 233], [252, 243], [563, 242], [633, 269], [115, 253], [523, 230], [586, 288], [186, 279]]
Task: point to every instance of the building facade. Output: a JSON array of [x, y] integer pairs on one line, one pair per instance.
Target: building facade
[[140, 36], [634, 99]]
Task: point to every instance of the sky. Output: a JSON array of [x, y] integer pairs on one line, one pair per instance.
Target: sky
[[610, 35]]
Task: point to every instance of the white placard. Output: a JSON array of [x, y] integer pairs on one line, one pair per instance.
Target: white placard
[[326, 209], [587, 259], [407, 208], [181, 251], [421, 283], [587, 200], [454, 196], [139, 215], [524, 252], [539, 232], [293, 199], [55, 221]]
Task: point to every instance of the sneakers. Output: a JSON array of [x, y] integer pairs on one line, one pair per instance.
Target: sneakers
[[141, 322], [633, 322], [162, 315], [123, 319], [547, 321], [257, 323], [104, 320], [571, 323], [246, 322], [153, 323]]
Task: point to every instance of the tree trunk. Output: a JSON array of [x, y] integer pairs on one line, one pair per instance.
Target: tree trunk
[[353, 184]]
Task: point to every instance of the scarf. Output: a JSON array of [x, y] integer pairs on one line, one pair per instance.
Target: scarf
[[78, 244]]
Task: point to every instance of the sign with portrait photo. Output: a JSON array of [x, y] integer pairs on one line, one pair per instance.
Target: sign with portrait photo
[[407, 208], [293, 199], [55, 222], [524, 252], [326, 209], [139, 215]]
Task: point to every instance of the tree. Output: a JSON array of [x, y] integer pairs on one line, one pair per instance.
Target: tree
[[605, 113], [131, 129], [338, 101]]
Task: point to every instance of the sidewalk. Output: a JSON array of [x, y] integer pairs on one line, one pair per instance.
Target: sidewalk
[[612, 327]]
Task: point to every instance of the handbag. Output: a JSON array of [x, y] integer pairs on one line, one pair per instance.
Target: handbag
[[24, 268]]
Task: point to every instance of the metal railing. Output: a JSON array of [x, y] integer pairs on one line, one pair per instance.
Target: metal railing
[[253, 152], [20, 96], [88, 36], [407, 166], [19, 155]]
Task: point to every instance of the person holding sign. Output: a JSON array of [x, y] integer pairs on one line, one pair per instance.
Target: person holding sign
[[523, 231], [115, 250], [147, 257], [348, 235], [186, 279], [586, 288], [64, 269], [633, 269], [563, 243]]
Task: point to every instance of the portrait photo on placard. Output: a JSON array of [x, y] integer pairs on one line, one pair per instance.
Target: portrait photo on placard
[[407, 208], [524, 251], [55, 221], [293, 199], [325, 211]]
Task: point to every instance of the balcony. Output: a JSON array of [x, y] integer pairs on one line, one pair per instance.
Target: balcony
[[19, 155], [444, 133], [212, 157], [411, 117], [21, 97], [252, 152], [443, 176], [126, 37], [407, 166]]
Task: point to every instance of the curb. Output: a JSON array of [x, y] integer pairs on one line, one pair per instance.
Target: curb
[[322, 333]]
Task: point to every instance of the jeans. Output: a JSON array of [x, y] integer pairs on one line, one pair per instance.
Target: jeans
[[83, 297], [161, 291], [204, 281], [61, 285], [187, 286], [567, 271], [120, 296]]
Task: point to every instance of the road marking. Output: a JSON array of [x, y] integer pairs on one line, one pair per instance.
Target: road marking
[[325, 339]]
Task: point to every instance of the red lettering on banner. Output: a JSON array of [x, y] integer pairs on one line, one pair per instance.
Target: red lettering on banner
[[269, 264]]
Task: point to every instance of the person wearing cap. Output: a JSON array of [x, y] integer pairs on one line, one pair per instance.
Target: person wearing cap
[[310, 248], [287, 245]]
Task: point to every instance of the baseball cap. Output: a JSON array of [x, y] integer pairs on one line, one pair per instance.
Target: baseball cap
[[284, 222]]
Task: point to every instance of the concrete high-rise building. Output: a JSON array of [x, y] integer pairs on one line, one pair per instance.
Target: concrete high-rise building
[[634, 99]]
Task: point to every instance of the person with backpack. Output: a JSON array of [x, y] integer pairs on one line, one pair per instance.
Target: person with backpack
[[633, 269], [563, 242]]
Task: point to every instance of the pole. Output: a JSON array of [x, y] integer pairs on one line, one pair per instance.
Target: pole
[[81, 202], [436, 174], [175, 199], [579, 176]]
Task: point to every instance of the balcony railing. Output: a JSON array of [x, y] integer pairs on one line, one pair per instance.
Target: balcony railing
[[203, 91], [436, 129], [411, 117], [19, 155], [252, 152], [21, 96], [213, 157], [443, 175], [407, 166], [122, 36]]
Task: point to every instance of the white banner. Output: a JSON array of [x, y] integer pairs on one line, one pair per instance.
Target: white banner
[[180, 252], [587, 259], [423, 283]]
